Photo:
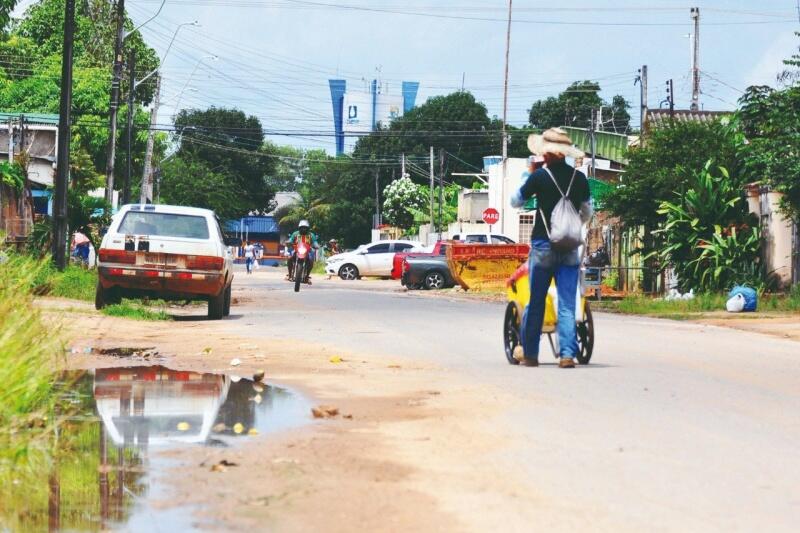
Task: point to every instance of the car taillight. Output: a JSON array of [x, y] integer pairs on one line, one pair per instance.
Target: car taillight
[[117, 256], [204, 262]]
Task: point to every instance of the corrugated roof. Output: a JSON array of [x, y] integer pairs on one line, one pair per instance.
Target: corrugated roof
[[659, 117], [45, 119], [265, 224], [608, 145]]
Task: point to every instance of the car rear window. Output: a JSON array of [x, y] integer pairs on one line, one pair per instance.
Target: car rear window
[[164, 225]]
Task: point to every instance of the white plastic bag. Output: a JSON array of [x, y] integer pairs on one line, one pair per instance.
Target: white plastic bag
[[735, 304]]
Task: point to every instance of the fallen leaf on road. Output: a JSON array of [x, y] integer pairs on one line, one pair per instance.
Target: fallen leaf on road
[[207, 350], [395, 366], [336, 359], [222, 466], [349, 417], [235, 362], [324, 411]]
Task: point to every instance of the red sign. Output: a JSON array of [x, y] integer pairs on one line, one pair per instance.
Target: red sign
[[491, 215]]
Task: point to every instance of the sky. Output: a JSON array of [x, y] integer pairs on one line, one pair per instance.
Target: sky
[[273, 58]]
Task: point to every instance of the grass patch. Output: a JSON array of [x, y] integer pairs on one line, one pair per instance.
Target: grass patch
[[74, 282], [135, 311], [702, 303], [318, 268]]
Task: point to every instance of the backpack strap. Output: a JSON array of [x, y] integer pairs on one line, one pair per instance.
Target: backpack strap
[[572, 179]]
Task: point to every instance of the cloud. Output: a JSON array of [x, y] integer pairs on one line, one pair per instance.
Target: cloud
[[771, 62]]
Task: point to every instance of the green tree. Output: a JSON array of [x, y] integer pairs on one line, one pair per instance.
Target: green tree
[[192, 182], [308, 207], [770, 119], [228, 144], [573, 107]]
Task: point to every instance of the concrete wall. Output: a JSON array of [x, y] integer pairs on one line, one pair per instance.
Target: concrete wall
[[777, 232], [500, 190]]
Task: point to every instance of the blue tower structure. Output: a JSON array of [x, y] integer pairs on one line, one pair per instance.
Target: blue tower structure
[[339, 88]]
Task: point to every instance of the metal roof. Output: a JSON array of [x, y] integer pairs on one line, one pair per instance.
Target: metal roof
[[43, 119], [660, 117], [608, 145], [253, 224]]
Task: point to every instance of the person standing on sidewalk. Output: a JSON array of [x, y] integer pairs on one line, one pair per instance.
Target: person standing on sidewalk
[[556, 180]]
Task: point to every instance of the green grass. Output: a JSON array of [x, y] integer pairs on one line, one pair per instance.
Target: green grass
[[74, 282], [318, 268], [135, 311], [702, 303]]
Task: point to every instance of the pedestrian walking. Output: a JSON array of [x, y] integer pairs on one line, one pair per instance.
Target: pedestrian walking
[[563, 206], [249, 256]]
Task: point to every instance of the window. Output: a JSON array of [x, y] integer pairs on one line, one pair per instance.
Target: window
[[402, 247], [477, 238], [525, 227], [500, 239], [164, 225], [378, 249], [443, 249]]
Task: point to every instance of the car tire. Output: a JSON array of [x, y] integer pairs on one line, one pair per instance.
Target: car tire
[[434, 280], [348, 272], [216, 306], [104, 297], [226, 309]]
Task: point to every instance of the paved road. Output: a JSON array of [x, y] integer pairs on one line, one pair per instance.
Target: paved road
[[673, 423]]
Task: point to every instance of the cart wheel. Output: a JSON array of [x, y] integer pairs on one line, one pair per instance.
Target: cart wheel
[[586, 337], [511, 336]]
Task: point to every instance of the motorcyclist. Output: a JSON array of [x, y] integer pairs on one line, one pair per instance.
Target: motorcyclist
[[309, 238]]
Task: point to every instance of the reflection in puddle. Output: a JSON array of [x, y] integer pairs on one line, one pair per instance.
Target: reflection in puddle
[[103, 474]]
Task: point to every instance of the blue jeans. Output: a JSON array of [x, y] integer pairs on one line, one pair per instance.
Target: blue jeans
[[543, 265]]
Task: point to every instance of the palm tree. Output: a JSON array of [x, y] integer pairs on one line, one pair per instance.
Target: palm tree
[[315, 210]]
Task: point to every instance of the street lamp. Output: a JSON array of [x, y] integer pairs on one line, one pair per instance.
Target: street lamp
[[185, 85], [174, 35]]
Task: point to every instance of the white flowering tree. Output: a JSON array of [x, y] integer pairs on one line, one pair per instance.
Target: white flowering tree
[[403, 197]]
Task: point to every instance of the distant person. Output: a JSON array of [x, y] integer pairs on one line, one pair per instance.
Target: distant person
[[305, 235], [80, 247], [333, 247], [551, 183], [249, 256]]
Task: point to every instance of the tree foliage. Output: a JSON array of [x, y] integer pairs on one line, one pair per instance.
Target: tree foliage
[[223, 146], [401, 198], [573, 107]]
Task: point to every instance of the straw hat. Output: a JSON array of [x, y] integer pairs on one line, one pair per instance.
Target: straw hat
[[553, 141]]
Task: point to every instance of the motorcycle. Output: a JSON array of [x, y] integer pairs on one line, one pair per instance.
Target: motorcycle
[[299, 274]]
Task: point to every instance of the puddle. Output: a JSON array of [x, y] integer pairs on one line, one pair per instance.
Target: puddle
[[127, 352], [107, 472]]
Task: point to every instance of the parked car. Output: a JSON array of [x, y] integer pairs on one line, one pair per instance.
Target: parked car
[[374, 259], [482, 238], [440, 248], [428, 271], [167, 252]]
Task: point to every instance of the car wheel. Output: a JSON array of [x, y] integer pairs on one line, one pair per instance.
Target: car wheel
[[104, 297], [226, 310], [348, 272], [216, 306], [434, 280]]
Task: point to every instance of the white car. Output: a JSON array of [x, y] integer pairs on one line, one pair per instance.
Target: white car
[[168, 252], [482, 238], [374, 259]]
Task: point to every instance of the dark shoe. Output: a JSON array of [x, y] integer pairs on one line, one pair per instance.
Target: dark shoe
[[529, 362], [566, 362]]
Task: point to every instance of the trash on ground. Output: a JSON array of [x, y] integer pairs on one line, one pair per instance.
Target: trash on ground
[[324, 411], [236, 361], [335, 359], [744, 297]]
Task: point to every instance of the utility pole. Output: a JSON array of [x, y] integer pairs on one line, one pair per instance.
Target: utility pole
[[593, 124], [114, 104], [60, 229], [431, 165], [377, 201], [671, 98], [695, 13], [146, 195], [403, 165], [505, 120], [126, 191], [441, 189], [642, 79]]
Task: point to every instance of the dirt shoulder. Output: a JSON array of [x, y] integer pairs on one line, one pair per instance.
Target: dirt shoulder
[[390, 465]]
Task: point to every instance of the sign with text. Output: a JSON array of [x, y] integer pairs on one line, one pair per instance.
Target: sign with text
[[491, 215]]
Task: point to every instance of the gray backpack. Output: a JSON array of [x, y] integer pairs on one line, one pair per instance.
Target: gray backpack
[[565, 231]]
